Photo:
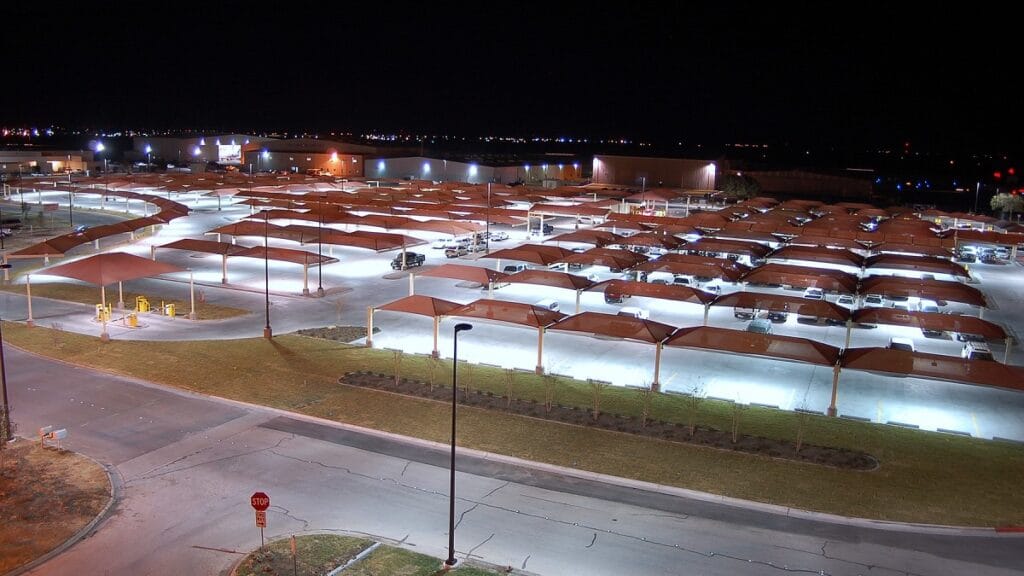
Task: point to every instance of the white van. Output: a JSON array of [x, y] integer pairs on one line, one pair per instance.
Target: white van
[[548, 304], [634, 312], [928, 306], [976, 351]]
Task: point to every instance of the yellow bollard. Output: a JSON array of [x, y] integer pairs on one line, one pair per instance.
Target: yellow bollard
[[170, 309], [99, 312], [133, 320]]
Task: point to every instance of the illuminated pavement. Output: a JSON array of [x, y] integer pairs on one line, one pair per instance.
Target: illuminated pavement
[[187, 465], [363, 279]]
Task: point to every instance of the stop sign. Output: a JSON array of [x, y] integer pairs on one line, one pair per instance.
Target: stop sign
[[260, 501]]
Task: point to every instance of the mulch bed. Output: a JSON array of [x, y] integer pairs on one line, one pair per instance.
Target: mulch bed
[[672, 431], [337, 333]]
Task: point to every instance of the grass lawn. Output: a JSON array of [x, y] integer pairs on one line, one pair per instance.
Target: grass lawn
[[46, 496], [85, 294], [320, 553], [923, 477]]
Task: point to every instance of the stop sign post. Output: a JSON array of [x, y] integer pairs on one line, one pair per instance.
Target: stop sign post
[[260, 502]]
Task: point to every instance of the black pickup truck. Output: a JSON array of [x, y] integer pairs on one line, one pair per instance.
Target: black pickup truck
[[411, 259]]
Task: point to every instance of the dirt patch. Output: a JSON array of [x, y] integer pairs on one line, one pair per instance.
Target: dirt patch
[[672, 431], [337, 333], [48, 496]]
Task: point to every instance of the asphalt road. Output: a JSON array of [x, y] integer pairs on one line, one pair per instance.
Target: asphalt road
[[188, 465]]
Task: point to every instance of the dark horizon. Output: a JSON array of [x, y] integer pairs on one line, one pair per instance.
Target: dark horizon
[[876, 79]]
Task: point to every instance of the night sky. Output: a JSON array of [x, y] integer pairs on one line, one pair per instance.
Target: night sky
[[873, 76]]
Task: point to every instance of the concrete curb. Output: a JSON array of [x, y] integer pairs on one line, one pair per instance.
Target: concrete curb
[[116, 490], [594, 476]]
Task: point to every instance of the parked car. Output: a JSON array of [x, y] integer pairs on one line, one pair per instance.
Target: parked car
[[965, 337], [614, 297], [513, 268], [976, 351], [845, 300], [548, 304], [456, 251], [898, 343], [928, 306], [499, 236], [776, 316], [744, 313], [814, 294], [760, 326], [634, 312], [874, 301], [410, 259]]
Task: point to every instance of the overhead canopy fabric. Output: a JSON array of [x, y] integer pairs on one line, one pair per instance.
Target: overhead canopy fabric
[[891, 286], [53, 247], [422, 305], [803, 277], [782, 303], [930, 321], [205, 246], [729, 247], [662, 291], [245, 228], [918, 263], [751, 344], [613, 259], [839, 256], [590, 236], [827, 241], [530, 256], [660, 240], [934, 366], [285, 255], [111, 267], [936, 251], [508, 312], [695, 266], [550, 278], [576, 210], [463, 272], [615, 326]]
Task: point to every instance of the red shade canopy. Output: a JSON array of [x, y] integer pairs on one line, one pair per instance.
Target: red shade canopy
[[103, 269]]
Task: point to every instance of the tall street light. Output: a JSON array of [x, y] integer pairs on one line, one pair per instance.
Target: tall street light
[[149, 158], [320, 248], [267, 332], [5, 426], [461, 327], [71, 203]]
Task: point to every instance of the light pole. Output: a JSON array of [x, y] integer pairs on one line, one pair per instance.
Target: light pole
[[149, 158], [320, 248], [71, 204], [977, 189], [100, 148], [461, 327], [487, 224], [5, 426], [267, 332]]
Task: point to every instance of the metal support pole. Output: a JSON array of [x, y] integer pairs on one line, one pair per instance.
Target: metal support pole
[[832, 410], [6, 408], [540, 351], [656, 384], [451, 489], [369, 326]]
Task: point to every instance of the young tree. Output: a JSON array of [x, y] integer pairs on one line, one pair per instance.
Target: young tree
[[549, 391], [737, 413], [693, 402], [597, 386], [801, 427], [1008, 204], [510, 379], [432, 366], [645, 403], [397, 360], [739, 186]]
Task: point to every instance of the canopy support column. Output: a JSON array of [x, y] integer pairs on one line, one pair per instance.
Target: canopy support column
[[849, 329], [120, 295], [540, 350], [224, 269], [412, 284], [104, 337], [578, 294], [305, 279], [7, 271], [707, 309], [28, 293], [981, 312], [435, 352], [369, 326], [656, 383], [832, 410], [192, 295], [490, 289], [1006, 353]]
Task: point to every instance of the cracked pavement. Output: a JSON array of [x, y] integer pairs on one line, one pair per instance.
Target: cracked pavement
[[190, 464]]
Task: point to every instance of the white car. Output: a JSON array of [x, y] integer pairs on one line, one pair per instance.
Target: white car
[[814, 294], [845, 300], [634, 312], [874, 301]]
